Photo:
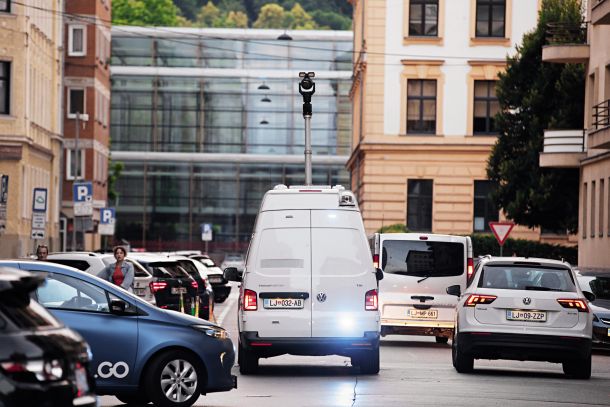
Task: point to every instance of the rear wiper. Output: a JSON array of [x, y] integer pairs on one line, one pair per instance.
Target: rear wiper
[[537, 288], [426, 277]]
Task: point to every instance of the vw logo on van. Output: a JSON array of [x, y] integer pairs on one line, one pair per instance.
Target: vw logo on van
[[527, 300], [321, 297]]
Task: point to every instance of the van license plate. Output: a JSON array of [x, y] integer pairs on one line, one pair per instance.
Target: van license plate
[[413, 313], [283, 303], [520, 315], [179, 290]]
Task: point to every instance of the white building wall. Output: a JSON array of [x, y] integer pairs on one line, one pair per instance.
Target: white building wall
[[455, 51]]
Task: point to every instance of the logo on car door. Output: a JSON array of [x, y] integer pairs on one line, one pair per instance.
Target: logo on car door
[[321, 297]]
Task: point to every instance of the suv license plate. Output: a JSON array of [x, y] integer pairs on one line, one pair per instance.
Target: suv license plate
[[215, 279], [139, 291], [179, 290], [520, 315], [283, 303], [413, 313]]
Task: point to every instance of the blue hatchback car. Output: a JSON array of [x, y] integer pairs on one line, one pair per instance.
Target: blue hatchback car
[[141, 353]]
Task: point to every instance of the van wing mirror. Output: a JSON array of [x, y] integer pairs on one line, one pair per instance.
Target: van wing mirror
[[454, 290], [232, 274], [379, 274], [589, 296]]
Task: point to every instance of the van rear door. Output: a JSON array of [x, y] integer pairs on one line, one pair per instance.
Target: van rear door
[[342, 273], [282, 275]]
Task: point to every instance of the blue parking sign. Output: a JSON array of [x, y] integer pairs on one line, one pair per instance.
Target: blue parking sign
[[107, 216]]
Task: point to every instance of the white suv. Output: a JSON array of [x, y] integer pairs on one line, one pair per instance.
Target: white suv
[[523, 309]]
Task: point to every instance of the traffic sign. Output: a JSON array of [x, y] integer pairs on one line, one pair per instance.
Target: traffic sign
[[107, 221], [206, 232], [39, 203], [39, 220], [501, 230], [83, 198], [38, 234]]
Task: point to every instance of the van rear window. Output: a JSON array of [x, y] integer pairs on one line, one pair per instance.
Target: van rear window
[[422, 258]]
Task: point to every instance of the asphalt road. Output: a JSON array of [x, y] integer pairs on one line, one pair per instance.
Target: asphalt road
[[415, 371]]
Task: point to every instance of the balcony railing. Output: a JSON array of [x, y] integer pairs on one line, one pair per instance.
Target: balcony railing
[[564, 141], [601, 116], [566, 33]]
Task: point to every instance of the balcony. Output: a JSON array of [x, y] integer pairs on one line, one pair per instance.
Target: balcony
[[600, 12], [566, 43], [599, 135], [563, 149]]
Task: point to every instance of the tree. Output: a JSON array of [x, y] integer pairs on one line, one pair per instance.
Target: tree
[[144, 12], [209, 16], [331, 20], [535, 96], [299, 19], [271, 16], [236, 19]]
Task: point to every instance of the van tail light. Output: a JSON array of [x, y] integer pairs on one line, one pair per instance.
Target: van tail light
[[249, 301], [469, 268], [157, 286], [376, 261], [475, 299], [371, 300], [194, 285], [577, 303]]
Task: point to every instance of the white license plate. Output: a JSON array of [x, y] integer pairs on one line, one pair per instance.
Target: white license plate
[[139, 291], [81, 380], [214, 280], [283, 303], [520, 315], [179, 290], [413, 313]]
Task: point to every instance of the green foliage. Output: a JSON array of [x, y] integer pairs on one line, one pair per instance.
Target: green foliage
[[331, 20], [395, 228], [299, 19], [116, 169], [271, 16], [144, 12], [483, 244], [535, 96], [236, 19], [209, 16]]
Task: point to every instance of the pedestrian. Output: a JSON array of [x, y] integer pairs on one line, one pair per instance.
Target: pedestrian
[[120, 273], [42, 252]]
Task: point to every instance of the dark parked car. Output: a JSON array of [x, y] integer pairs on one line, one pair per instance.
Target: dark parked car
[[42, 363], [204, 291], [598, 284], [220, 285]]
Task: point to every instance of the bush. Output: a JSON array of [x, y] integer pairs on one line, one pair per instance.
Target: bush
[[487, 244]]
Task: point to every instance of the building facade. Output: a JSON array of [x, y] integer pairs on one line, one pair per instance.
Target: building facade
[[86, 118], [588, 148], [206, 120], [424, 102], [30, 123]]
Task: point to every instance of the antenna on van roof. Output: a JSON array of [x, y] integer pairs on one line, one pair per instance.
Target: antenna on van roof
[[307, 88]]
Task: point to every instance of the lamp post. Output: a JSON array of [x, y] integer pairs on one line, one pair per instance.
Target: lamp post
[[79, 160]]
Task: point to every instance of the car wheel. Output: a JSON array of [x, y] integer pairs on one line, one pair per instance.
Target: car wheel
[[462, 362], [133, 399], [175, 379], [369, 361], [247, 360], [579, 368], [442, 339]]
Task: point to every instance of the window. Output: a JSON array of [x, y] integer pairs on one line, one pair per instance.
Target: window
[[77, 41], [422, 258], [73, 169], [421, 106], [423, 18], [65, 292], [484, 209], [419, 205], [491, 15], [601, 207], [76, 102], [486, 107], [5, 6], [5, 86]]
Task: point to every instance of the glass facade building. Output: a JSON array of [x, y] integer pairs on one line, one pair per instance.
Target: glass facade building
[[206, 120]]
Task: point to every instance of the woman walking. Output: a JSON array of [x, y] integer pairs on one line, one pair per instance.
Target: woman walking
[[120, 273]]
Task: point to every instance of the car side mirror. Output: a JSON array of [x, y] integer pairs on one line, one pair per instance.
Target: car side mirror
[[589, 296], [117, 306], [454, 290], [232, 274], [379, 274]]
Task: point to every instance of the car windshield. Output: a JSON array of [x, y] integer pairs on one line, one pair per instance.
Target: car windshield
[[167, 269], [208, 262], [600, 286], [525, 277], [422, 258]]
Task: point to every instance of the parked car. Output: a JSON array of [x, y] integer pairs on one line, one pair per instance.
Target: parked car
[[42, 363], [206, 294], [171, 285], [234, 260], [220, 285], [598, 284], [523, 309], [141, 353], [94, 263]]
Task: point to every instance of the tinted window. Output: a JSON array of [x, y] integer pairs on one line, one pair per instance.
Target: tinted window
[[167, 269], [423, 258], [518, 277], [189, 267], [65, 292], [81, 265], [16, 316], [600, 286]]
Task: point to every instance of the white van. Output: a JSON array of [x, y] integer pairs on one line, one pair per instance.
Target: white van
[[309, 286], [417, 269]]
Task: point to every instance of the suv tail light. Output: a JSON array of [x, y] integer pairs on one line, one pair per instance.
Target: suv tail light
[[249, 301], [469, 268], [371, 300], [194, 285], [475, 299], [578, 303], [157, 286], [376, 261]]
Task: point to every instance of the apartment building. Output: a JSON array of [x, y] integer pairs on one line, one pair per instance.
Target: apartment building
[[423, 97], [86, 117], [30, 123], [588, 148]]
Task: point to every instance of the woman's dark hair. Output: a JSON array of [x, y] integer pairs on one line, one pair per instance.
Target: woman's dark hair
[[120, 248]]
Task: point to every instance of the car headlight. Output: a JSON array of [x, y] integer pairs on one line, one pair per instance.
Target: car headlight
[[212, 331]]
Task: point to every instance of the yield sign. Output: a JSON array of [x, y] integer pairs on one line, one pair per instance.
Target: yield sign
[[501, 230]]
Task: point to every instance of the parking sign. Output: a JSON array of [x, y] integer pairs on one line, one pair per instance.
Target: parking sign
[[83, 198], [107, 221]]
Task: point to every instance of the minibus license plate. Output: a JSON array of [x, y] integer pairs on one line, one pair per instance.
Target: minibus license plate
[[215, 279], [413, 313], [520, 315], [283, 303], [179, 290]]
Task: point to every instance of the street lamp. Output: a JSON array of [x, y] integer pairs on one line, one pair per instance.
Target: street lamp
[[266, 99], [263, 86]]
